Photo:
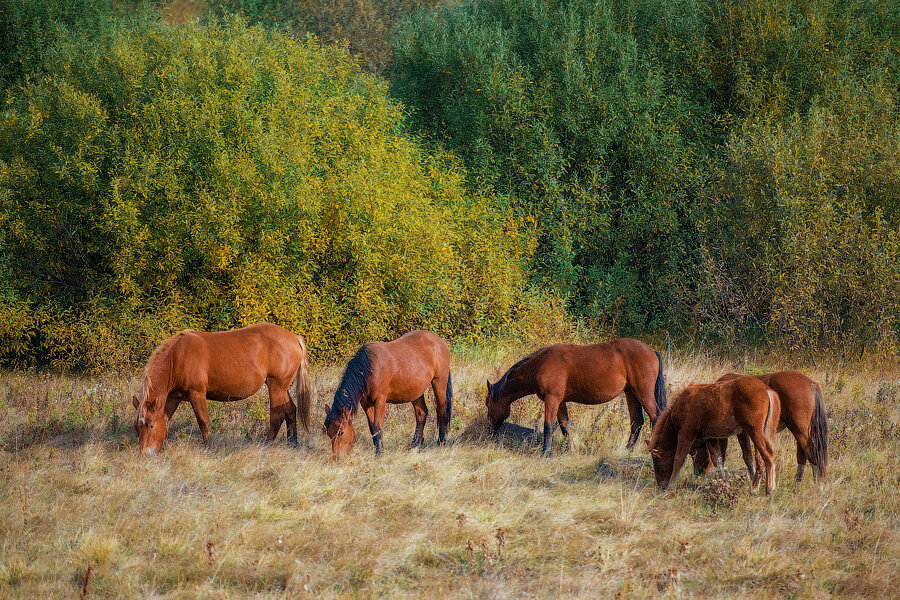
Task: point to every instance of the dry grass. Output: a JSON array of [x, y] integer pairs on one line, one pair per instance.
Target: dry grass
[[474, 519]]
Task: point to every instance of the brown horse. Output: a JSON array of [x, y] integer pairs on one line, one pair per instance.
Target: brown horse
[[396, 372], [713, 411], [224, 366], [802, 412], [591, 374]]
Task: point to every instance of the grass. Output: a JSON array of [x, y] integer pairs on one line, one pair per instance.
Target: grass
[[473, 519]]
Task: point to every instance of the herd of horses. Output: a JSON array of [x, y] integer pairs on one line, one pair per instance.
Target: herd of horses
[[195, 366]]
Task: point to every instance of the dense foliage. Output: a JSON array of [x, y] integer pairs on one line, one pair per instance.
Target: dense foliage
[[728, 168], [366, 26], [721, 169], [213, 176]]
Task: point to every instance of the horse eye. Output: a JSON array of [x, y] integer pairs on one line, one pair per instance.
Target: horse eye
[[151, 425], [341, 432]]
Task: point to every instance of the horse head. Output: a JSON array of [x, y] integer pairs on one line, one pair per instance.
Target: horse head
[[150, 421], [340, 429], [497, 410]]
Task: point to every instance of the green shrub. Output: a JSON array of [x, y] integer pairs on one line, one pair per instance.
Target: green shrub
[[718, 168], [366, 26], [214, 176]]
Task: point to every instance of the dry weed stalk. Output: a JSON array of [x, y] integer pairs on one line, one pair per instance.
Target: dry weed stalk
[[87, 579]]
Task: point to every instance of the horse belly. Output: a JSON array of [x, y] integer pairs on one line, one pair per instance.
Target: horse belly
[[721, 430], [600, 391], [236, 384]]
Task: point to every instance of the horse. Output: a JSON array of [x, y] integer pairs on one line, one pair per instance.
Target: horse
[[396, 372], [223, 366], [590, 374], [710, 412], [802, 412]]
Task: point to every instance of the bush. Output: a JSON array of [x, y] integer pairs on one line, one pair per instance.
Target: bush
[[366, 26], [561, 109], [716, 168], [214, 176]]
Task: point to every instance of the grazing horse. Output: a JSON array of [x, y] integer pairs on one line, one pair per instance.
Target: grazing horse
[[713, 411], [802, 412], [223, 366], [397, 372], [591, 374]]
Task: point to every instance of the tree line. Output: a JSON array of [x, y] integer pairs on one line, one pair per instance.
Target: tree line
[[723, 171]]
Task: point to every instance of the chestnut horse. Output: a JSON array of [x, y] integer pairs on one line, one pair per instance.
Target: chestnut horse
[[397, 372], [223, 366], [591, 374], [802, 412], [713, 411]]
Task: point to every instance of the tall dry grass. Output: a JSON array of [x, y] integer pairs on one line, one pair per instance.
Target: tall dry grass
[[474, 519]]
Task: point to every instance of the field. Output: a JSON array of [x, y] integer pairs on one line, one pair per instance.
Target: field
[[474, 519]]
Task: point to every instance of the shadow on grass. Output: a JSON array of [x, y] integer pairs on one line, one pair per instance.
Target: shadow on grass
[[116, 434], [478, 433]]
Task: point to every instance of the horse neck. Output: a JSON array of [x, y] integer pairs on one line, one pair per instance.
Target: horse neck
[[664, 432], [518, 384], [158, 380]]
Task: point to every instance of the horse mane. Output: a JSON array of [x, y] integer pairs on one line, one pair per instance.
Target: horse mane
[[664, 422], [514, 371], [353, 383], [153, 362], [661, 428]]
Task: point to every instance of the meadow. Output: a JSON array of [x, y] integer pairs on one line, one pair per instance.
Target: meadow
[[479, 518]]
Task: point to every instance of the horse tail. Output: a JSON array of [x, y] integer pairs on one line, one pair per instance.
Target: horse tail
[[301, 388], [449, 397], [772, 394], [818, 432], [660, 391]]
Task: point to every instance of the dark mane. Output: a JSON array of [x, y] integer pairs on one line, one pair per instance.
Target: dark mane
[[353, 384], [513, 371]]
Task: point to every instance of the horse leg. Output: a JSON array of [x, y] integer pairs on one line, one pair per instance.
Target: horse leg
[[562, 417], [635, 412], [551, 406], [369, 408], [289, 410], [716, 455], [201, 411], [280, 405], [421, 412], [766, 452], [439, 387], [376, 423], [803, 452], [749, 458], [801, 465], [681, 452]]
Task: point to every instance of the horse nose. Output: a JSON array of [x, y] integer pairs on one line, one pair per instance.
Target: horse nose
[[150, 452]]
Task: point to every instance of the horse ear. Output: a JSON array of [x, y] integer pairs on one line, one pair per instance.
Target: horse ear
[[346, 415], [489, 386], [134, 401]]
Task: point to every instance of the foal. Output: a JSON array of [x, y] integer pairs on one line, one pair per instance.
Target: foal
[[714, 411]]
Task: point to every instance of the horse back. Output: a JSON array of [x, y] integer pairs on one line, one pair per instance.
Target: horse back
[[599, 372], [402, 369], [234, 364]]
